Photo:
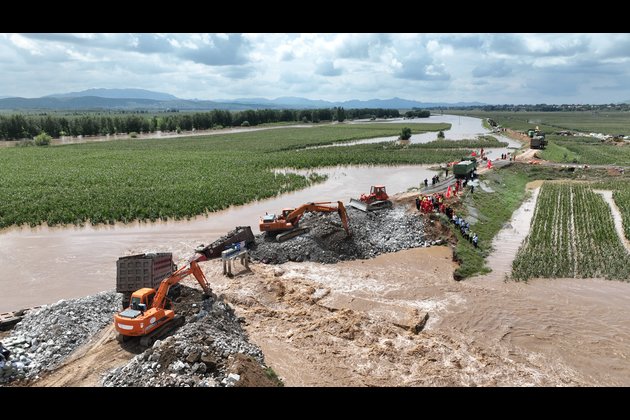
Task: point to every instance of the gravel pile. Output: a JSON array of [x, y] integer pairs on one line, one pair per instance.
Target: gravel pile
[[373, 233], [198, 354], [45, 337]]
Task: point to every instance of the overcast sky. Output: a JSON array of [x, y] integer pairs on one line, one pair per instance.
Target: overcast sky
[[491, 68]]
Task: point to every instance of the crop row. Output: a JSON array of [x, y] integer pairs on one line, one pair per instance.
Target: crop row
[[572, 235]]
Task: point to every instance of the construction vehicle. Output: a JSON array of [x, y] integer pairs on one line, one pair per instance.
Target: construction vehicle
[[238, 235], [150, 315], [377, 199], [134, 272], [464, 169], [288, 221], [538, 140]]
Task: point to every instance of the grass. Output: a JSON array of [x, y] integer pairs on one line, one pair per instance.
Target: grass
[[614, 122], [494, 209], [271, 374], [621, 194], [153, 179], [556, 153]]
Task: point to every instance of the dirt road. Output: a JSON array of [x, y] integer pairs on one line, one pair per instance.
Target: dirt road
[[87, 365]]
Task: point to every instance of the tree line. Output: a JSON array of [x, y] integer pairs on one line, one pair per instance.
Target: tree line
[[27, 126]]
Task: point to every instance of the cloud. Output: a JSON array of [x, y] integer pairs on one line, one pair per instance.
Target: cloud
[[362, 46], [327, 68], [422, 68], [492, 69]]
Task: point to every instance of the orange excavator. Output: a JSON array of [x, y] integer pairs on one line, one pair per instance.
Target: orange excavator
[[150, 315], [288, 221]]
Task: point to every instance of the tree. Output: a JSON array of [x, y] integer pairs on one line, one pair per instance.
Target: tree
[[405, 134], [42, 139], [440, 135]]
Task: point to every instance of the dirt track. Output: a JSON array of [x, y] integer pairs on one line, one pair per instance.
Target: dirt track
[[90, 362]]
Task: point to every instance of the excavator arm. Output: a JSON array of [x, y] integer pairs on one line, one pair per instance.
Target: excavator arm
[[296, 214], [192, 268]]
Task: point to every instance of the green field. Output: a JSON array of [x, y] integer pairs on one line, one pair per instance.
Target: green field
[[613, 122], [572, 235], [154, 179], [579, 150]]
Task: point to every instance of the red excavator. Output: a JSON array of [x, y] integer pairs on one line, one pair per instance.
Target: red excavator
[[377, 199], [289, 219], [150, 315]]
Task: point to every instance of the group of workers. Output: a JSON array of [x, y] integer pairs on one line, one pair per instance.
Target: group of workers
[[436, 203], [464, 227], [434, 180], [430, 203]]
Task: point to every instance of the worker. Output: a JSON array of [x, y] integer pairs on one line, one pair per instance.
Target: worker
[[475, 240], [446, 176], [418, 203], [426, 182], [472, 188]]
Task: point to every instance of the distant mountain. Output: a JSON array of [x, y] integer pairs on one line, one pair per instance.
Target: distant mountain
[[140, 99], [95, 103], [118, 94], [296, 102]]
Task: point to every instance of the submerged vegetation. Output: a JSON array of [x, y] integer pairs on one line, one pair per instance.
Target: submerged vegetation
[[154, 179]]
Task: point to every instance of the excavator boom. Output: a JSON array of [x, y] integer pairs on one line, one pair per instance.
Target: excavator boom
[[290, 218]]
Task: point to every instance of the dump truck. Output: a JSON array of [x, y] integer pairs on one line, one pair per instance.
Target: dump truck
[[537, 137], [143, 270], [538, 142], [464, 169]]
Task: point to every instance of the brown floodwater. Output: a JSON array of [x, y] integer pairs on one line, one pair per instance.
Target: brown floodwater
[[44, 264]]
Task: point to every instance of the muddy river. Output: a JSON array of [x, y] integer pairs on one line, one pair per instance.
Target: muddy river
[[42, 265]]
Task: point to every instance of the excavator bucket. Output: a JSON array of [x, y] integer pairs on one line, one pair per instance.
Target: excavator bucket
[[358, 204]]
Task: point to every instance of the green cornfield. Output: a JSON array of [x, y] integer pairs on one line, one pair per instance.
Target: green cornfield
[[151, 179], [572, 235]]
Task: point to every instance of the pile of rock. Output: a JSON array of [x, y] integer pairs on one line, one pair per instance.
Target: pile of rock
[[198, 354], [45, 337], [373, 233]]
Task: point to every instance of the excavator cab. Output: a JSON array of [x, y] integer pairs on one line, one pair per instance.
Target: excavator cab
[[378, 192]]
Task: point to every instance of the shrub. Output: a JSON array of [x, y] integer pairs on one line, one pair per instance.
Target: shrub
[[133, 135], [245, 123], [42, 139], [405, 133]]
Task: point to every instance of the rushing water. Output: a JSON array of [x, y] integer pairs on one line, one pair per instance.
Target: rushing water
[[44, 264]]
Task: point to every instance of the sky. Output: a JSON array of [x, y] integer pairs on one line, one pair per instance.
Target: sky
[[489, 68]]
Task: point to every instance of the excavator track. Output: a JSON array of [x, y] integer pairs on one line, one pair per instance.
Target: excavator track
[[365, 207], [285, 236], [161, 332]]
